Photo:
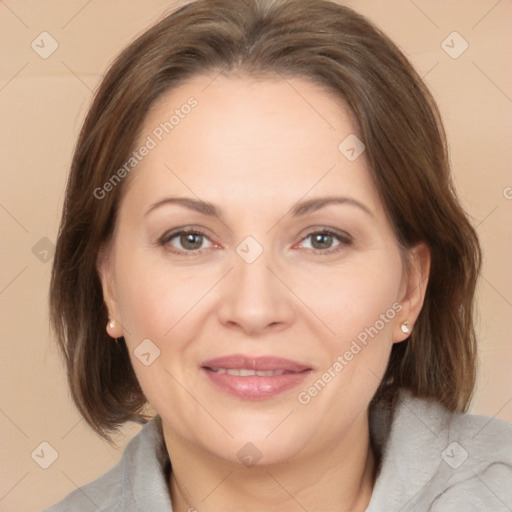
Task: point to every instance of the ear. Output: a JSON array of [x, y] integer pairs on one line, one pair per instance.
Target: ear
[[413, 289], [104, 266]]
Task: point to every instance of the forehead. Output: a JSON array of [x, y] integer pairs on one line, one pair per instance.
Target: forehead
[[226, 137]]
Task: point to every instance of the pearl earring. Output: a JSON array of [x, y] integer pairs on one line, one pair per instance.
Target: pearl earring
[[112, 324], [405, 327]]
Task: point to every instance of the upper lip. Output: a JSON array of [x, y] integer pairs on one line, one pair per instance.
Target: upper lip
[[259, 363]]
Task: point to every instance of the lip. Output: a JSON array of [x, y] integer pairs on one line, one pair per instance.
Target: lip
[[255, 387]]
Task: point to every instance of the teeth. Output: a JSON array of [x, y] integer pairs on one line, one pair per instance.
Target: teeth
[[243, 372]]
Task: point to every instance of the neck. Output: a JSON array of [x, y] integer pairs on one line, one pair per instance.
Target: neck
[[339, 478]]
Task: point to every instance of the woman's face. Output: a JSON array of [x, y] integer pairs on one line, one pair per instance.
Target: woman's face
[[251, 238]]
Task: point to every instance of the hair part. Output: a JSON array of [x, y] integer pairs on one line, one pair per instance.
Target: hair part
[[406, 148]]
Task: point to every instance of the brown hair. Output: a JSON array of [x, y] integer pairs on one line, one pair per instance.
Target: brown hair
[[405, 146]]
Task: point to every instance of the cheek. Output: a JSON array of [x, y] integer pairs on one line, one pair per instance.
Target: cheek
[[158, 304], [154, 298], [354, 299], [360, 307]]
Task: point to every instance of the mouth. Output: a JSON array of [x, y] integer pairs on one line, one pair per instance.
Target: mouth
[[244, 372], [254, 378]]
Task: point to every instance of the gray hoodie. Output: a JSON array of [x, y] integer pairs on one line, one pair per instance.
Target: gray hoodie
[[431, 460]]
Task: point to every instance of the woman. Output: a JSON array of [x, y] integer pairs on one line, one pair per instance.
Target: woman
[[261, 240]]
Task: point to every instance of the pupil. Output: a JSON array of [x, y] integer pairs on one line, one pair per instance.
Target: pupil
[[191, 241], [322, 241]]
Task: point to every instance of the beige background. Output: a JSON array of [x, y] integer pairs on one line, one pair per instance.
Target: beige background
[[43, 102]]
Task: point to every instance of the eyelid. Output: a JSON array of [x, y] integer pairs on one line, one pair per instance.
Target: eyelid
[[344, 238], [165, 239], [342, 235], [186, 228]]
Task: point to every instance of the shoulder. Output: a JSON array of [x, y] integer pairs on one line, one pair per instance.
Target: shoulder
[[437, 460], [478, 460], [141, 471], [104, 493]]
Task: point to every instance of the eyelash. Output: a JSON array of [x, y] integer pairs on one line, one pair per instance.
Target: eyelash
[[167, 237], [344, 239]]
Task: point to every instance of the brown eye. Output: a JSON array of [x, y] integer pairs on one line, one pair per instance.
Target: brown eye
[[321, 241], [326, 241], [191, 241], [186, 241]]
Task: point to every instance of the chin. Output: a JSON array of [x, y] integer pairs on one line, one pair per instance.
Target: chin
[[261, 443]]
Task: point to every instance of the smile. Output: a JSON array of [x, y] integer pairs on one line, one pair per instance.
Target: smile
[[244, 372], [254, 378]]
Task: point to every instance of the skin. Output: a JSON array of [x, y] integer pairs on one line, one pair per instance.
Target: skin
[[254, 149]]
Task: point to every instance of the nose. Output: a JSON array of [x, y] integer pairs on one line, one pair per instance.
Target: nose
[[254, 298]]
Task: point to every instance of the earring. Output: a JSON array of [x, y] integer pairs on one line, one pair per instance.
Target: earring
[[112, 324], [405, 327]]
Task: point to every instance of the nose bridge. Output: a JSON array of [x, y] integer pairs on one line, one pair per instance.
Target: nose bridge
[[254, 279], [253, 297]]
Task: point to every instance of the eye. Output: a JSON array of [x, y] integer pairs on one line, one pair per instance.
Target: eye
[[186, 241], [321, 241], [325, 241]]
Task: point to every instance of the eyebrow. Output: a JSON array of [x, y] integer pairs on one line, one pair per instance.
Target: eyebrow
[[298, 210], [191, 204], [312, 205]]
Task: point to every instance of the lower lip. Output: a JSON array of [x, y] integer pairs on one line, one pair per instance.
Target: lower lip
[[255, 387]]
